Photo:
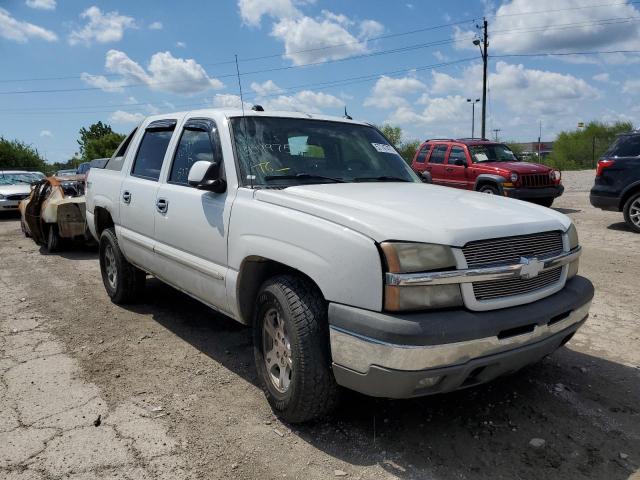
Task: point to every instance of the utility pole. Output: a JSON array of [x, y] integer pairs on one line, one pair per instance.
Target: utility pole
[[484, 51], [473, 116], [539, 139], [495, 132]]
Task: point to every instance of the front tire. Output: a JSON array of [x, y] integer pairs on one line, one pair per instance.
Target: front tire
[[489, 189], [545, 202], [291, 349], [123, 282], [632, 212]]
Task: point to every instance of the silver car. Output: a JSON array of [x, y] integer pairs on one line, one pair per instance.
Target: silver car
[[15, 185]]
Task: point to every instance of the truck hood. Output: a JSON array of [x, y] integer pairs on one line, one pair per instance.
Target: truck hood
[[15, 189], [417, 212], [520, 167]]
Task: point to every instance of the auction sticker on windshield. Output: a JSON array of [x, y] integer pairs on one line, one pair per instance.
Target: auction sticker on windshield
[[383, 148]]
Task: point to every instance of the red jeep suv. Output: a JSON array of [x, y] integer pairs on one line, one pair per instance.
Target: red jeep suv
[[488, 167]]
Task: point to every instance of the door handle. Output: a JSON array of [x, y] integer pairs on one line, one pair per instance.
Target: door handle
[[162, 205], [126, 197], [449, 169]]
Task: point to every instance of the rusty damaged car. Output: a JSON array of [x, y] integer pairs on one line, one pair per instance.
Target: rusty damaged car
[[54, 212]]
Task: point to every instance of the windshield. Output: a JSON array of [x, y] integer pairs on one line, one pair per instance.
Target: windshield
[[276, 152], [492, 153], [19, 178]]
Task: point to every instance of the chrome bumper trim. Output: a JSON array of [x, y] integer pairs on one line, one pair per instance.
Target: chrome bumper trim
[[358, 352], [484, 274]]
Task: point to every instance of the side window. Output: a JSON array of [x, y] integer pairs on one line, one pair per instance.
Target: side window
[[193, 147], [150, 155], [437, 156], [422, 154], [457, 153], [117, 159]]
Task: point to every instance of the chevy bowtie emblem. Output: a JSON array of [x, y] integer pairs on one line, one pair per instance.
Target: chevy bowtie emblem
[[531, 267]]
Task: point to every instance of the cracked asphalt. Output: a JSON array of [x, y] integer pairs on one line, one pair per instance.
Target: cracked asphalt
[[165, 389]]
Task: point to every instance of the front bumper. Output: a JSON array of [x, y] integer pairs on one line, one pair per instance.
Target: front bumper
[[528, 193], [401, 356]]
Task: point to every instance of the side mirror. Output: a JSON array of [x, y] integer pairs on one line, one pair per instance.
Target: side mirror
[[205, 176], [426, 177]]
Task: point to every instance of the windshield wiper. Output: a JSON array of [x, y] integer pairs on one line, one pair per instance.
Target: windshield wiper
[[382, 178], [303, 176]]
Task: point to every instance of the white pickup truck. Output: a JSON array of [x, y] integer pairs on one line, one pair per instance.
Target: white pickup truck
[[350, 270]]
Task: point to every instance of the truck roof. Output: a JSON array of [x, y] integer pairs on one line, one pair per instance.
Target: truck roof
[[237, 112]]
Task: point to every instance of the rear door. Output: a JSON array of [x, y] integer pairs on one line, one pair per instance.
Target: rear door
[[191, 224], [456, 167], [435, 165], [138, 195], [420, 162]]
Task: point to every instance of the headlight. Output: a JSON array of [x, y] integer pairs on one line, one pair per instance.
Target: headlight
[[1, 197], [514, 177], [416, 257], [419, 257], [572, 233], [555, 175]]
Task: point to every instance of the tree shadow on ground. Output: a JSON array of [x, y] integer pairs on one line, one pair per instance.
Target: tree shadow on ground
[[587, 410]]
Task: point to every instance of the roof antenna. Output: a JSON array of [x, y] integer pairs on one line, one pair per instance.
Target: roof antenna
[[244, 122], [346, 115]]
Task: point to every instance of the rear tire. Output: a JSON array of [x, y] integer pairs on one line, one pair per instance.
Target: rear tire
[[291, 349], [632, 212], [123, 282], [53, 239], [489, 189]]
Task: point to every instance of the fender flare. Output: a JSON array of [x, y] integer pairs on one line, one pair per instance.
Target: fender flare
[[498, 180], [627, 192]]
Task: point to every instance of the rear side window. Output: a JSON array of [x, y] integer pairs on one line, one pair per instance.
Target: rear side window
[[437, 156], [422, 154], [150, 155], [625, 146]]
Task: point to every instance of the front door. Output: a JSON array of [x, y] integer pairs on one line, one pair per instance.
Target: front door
[[456, 167], [191, 224], [138, 195]]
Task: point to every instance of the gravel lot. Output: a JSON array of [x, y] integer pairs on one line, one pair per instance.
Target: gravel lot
[[172, 390]]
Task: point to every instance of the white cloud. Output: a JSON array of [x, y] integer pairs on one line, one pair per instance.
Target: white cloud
[[266, 88], [165, 73], [391, 92], [252, 11], [121, 116], [46, 133], [227, 100], [101, 27], [602, 77], [156, 26], [41, 4], [181, 45], [306, 39], [304, 101], [631, 86], [516, 31], [22, 32]]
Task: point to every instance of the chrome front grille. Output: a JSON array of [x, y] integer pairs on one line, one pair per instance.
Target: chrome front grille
[[508, 250], [508, 288], [536, 180], [18, 196]]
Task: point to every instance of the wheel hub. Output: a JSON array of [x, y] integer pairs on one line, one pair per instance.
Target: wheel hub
[[634, 212], [110, 266], [276, 349]]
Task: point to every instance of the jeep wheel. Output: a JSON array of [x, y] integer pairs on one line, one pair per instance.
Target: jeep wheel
[[489, 189], [124, 282], [632, 212], [291, 349], [53, 239], [545, 202]]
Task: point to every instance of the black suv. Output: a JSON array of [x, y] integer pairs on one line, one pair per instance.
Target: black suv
[[617, 186]]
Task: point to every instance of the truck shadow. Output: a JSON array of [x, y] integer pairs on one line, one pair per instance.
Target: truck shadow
[[10, 216], [585, 408], [620, 227]]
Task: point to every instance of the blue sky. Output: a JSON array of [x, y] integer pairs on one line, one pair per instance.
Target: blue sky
[[67, 64]]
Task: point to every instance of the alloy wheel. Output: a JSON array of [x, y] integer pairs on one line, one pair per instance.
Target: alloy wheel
[[276, 349], [110, 266]]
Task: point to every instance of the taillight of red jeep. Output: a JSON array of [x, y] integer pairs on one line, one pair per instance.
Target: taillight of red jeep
[[602, 165]]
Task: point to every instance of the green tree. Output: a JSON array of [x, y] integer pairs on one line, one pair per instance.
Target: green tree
[[98, 141], [515, 148], [407, 148], [581, 148], [19, 156]]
